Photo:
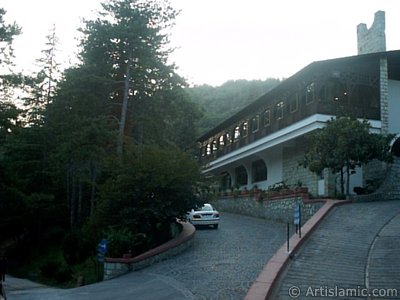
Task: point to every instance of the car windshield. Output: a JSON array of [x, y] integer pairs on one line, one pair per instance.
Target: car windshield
[[207, 207]]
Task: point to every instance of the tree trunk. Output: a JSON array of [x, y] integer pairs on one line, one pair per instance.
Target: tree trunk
[[73, 202], [341, 182], [93, 177], [348, 180], [124, 110], [79, 213]]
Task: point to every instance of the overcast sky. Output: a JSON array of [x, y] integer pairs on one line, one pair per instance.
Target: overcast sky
[[219, 40]]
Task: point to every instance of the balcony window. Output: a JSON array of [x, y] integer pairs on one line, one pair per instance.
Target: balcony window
[[267, 117], [310, 93], [293, 103], [245, 128], [203, 151], [236, 134], [214, 146], [279, 110], [336, 91], [255, 123], [221, 141], [228, 138]]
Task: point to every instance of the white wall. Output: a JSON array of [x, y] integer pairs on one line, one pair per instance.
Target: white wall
[[394, 106]]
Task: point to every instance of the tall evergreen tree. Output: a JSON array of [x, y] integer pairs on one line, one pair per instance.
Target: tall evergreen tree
[[41, 87], [127, 48], [8, 79]]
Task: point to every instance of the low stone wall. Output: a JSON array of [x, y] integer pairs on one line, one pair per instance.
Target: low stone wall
[[279, 208], [114, 267]]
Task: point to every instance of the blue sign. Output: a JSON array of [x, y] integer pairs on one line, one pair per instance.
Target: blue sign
[[102, 247], [296, 215]]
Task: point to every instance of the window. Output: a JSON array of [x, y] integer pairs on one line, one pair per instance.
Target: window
[[255, 123], [310, 93], [241, 175], [228, 138], [293, 103], [203, 151], [279, 110], [236, 134], [245, 128], [214, 146], [267, 117], [259, 171], [221, 141], [336, 90]]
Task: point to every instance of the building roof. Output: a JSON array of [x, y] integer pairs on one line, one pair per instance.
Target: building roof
[[393, 58]]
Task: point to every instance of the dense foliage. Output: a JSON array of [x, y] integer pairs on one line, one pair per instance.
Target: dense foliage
[[219, 103], [342, 145], [101, 150]]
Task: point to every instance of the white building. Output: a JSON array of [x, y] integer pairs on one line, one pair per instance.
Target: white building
[[262, 144]]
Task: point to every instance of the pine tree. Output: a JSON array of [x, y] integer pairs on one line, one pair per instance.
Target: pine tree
[[40, 88]]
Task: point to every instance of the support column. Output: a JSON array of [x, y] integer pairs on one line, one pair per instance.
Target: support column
[[384, 101]]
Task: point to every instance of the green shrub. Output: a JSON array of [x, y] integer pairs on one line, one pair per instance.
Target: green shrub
[[56, 271], [76, 248], [120, 241]]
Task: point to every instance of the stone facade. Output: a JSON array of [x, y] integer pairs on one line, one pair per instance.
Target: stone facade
[[375, 170], [278, 209], [295, 175], [373, 39], [384, 95], [389, 189]]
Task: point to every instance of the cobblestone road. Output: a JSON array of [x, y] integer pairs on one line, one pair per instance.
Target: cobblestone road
[[223, 263], [339, 253]]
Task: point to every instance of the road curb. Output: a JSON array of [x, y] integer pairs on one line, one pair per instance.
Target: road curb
[[114, 267]]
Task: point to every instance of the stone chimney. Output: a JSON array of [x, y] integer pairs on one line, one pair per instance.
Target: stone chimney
[[373, 39]]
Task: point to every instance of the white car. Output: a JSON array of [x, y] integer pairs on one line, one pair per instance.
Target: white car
[[206, 215]]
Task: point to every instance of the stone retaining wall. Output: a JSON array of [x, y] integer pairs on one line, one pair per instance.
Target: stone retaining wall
[[389, 189], [114, 267], [278, 208]]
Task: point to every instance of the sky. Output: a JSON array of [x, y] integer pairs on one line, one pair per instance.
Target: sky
[[221, 40]]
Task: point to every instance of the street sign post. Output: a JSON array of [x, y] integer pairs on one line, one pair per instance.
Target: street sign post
[[101, 251], [297, 218]]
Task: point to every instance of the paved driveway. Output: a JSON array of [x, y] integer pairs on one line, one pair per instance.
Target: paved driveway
[[355, 248], [222, 264]]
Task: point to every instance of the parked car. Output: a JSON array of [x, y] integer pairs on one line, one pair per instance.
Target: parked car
[[205, 215]]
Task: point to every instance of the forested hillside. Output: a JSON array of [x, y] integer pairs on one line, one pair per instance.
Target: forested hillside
[[219, 103], [101, 150], [96, 151]]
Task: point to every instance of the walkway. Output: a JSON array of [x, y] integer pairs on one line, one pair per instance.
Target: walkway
[[354, 240]]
